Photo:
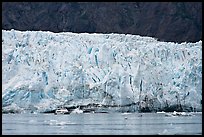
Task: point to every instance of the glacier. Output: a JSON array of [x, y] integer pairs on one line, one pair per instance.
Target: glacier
[[42, 71]]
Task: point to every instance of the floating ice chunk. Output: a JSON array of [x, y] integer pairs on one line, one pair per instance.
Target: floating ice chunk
[[77, 111]]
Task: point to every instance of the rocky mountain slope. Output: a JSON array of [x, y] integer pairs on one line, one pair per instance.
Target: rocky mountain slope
[[167, 21]]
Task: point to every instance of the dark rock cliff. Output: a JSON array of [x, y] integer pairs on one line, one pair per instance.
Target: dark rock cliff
[[167, 21]]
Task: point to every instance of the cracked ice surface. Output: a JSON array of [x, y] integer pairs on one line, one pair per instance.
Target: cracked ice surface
[[43, 70]]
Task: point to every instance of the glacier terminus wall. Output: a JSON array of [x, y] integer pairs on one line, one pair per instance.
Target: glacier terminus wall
[[42, 71]]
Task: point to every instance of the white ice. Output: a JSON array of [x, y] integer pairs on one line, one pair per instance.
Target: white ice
[[43, 70]]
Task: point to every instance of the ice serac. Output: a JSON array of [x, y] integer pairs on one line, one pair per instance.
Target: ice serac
[[42, 71]]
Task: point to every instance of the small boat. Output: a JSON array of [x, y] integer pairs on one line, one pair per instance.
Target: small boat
[[61, 111]]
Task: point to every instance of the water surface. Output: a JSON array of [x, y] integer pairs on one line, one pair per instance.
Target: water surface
[[102, 124]]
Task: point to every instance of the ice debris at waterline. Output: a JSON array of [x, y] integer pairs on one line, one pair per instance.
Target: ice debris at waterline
[[43, 71]]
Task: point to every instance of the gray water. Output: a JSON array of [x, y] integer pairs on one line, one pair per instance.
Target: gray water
[[101, 123]]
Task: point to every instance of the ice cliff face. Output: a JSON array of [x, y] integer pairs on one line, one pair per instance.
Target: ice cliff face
[[42, 71]]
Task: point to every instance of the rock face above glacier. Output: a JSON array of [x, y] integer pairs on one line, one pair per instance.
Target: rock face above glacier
[[42, 71], [168, 21]]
